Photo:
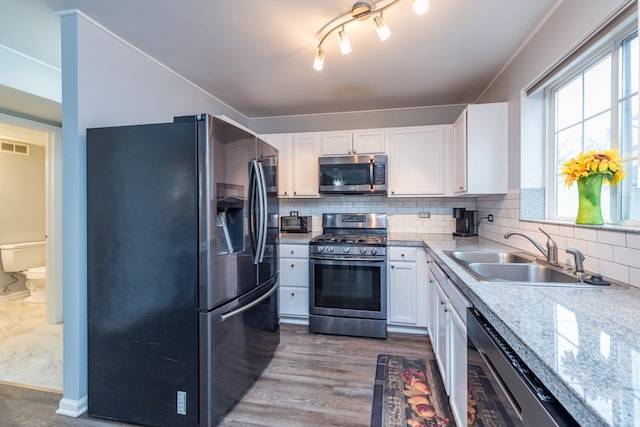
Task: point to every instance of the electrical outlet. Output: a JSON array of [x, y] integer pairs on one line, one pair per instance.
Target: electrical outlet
[[490, 217], [424, 214]]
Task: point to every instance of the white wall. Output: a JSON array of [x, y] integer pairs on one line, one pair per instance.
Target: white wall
[[105, 82], [23, 195]]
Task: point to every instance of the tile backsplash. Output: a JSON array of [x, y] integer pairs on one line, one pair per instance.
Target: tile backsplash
[[402, 213]]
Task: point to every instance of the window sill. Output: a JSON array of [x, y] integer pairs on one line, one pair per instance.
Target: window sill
[[607, 227]]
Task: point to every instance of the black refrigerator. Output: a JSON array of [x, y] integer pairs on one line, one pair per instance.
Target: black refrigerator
[[182, 269]]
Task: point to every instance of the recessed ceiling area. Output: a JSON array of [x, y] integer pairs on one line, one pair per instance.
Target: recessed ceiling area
[[257, 56]]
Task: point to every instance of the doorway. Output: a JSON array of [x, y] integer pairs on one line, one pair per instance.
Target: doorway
[[32, 333]]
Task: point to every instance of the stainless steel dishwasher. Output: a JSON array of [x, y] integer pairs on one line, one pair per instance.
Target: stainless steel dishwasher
[[502, 389]]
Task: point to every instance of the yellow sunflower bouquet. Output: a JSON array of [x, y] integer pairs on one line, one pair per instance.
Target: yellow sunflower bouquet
[[606, 163]]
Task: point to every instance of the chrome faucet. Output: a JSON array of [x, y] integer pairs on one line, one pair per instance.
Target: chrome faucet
[[578, 257], [552, 249]]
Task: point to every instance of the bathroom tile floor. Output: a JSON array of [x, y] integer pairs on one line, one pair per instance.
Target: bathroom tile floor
[[30, 348]]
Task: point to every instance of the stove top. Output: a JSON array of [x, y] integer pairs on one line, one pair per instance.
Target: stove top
[[359, 239], [349, 235]]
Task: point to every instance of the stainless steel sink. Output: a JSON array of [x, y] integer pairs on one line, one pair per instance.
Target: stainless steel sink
[[532, 273], [492, 257], [519, 268]]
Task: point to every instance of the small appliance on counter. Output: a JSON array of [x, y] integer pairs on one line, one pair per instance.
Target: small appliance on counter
[[466, 222], [293, 223]]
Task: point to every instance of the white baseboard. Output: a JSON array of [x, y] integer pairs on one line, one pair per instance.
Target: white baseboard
[[15, 295], [413, 330], [73, 408]]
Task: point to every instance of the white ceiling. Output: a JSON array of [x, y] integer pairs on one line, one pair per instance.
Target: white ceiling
[[257, 55]]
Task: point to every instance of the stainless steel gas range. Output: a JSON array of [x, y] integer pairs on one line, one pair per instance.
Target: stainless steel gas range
[[348, 276]]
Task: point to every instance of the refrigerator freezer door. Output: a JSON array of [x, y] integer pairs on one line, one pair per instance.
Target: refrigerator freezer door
[[238, 341]]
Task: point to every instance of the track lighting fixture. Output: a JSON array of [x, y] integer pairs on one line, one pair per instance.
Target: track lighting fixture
[[345, 45], [361, 11]]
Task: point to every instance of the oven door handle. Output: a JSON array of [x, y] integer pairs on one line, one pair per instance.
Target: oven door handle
[[344, 258]]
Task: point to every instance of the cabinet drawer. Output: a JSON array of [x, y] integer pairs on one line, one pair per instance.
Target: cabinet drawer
[[294, 301], [402, 254], [294, 251], [294, 272]]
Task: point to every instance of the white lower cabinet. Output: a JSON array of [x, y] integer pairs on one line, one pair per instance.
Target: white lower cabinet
[[294, 284], [407, 288], [448, 331], [457, 364]]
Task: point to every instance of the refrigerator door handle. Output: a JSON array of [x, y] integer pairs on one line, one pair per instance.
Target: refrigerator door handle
[[262, 197], [249, 306], [254, 220]]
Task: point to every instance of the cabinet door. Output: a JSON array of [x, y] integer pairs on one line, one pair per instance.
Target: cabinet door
[[480, 138], [460, 154], [487, 144], [368, 142], [294, 272], [417, 161], [306, 175], [457, 365], [294, 301], [442, 335], [285, 161], [402, 293], [336, 143]]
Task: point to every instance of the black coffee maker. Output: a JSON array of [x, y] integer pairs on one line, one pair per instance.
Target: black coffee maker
[[466, 222]]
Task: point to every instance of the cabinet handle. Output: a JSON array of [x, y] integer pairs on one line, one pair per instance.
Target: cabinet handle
[[402, 255], [293, 294], [292, 252], [446, 310], [292, 266], [461, 188], [441, 302]]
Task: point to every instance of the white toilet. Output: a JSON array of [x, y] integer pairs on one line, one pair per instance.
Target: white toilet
[[28, 259]]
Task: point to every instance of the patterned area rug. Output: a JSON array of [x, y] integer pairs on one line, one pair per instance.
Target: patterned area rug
[[409, 392]]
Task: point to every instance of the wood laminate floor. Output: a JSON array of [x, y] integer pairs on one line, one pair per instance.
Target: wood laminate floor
[[320, 380], [313, 380]]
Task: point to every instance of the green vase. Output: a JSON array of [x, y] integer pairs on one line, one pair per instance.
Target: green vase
[[589, 189]]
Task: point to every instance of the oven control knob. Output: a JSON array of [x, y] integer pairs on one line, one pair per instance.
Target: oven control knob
[[363, 250], [319, 248], [374, 251], [346, 249], [330, 249]]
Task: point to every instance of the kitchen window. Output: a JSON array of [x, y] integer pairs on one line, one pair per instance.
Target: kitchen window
[[593, 104]]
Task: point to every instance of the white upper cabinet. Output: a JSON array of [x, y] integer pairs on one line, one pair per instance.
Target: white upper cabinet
[[298, 174], [306, 173], [418, 159], [352, 142], [480, 150], [284, 144]]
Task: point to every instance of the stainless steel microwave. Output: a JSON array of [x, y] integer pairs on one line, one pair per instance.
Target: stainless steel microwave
[[359, 174]]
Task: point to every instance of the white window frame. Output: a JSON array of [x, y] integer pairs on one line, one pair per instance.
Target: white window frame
[[608, 45]]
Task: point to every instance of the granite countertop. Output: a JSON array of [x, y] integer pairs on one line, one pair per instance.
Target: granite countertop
[[584, 344]]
